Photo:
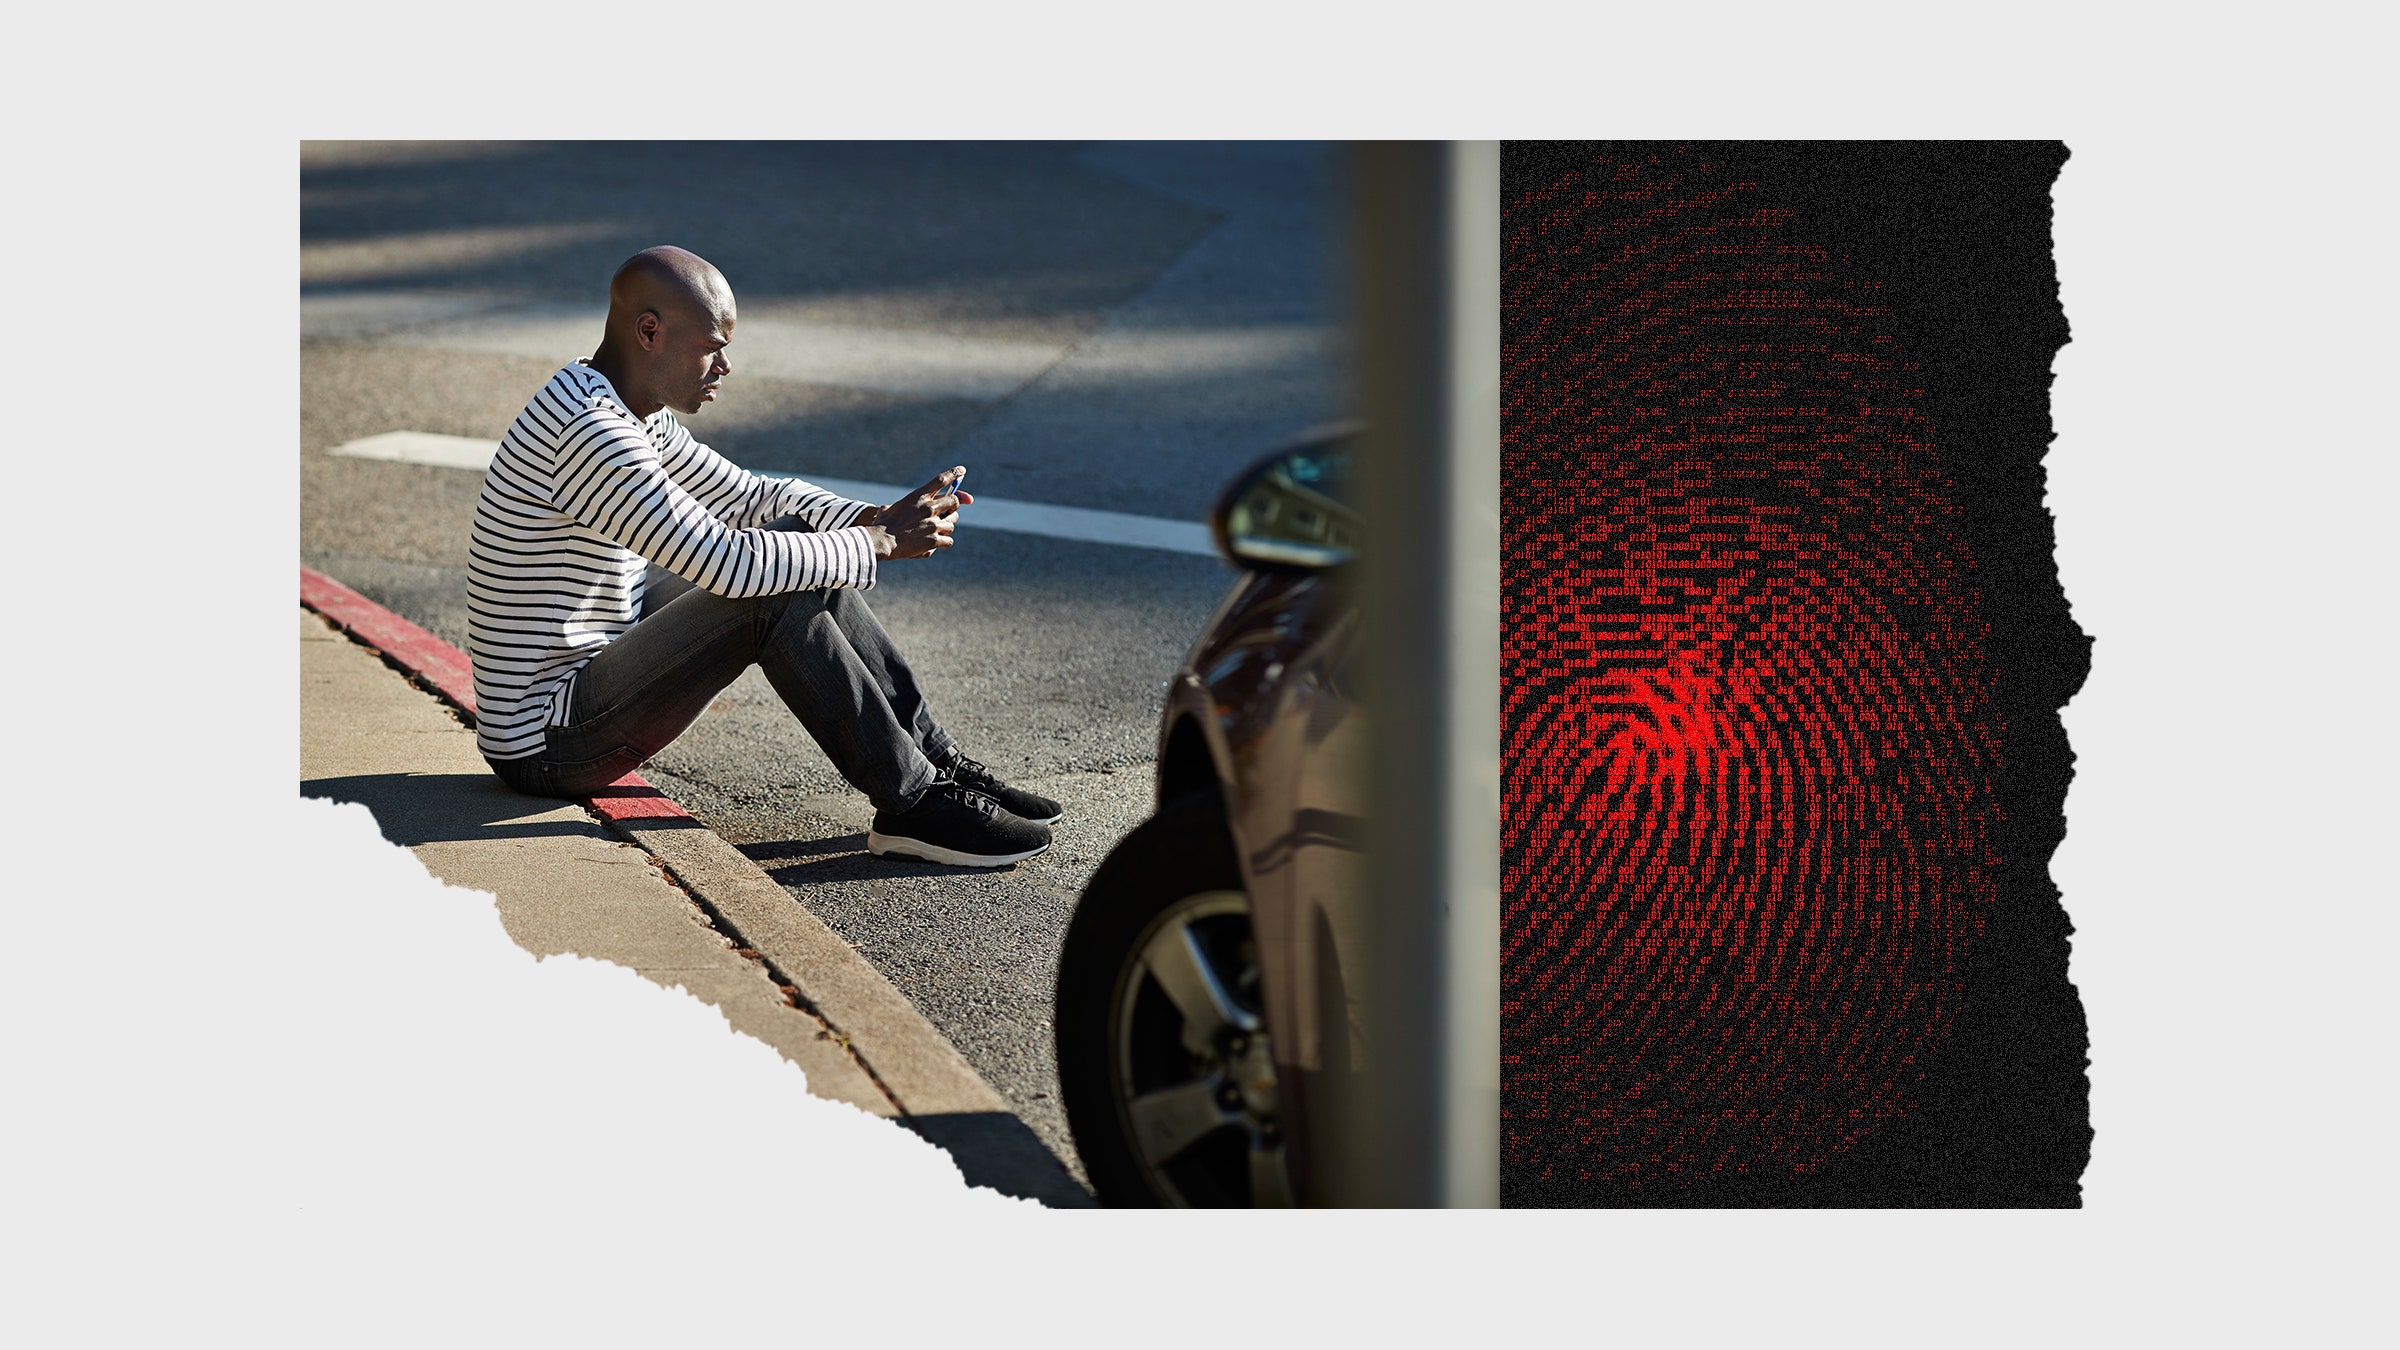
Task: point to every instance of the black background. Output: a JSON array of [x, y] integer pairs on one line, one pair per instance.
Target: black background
[[1958, 235]]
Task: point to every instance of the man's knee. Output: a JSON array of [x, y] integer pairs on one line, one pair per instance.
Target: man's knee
[[791, 612]]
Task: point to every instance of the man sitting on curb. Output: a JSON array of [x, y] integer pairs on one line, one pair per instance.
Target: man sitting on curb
[[587, 663]]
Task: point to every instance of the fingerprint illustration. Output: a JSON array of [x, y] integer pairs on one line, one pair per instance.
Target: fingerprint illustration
[[1748, 737]]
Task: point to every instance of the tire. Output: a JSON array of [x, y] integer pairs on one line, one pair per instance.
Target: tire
[[1163, 1058]]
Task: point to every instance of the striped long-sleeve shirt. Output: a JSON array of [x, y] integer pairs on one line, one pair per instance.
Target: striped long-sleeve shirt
[[580, 493]]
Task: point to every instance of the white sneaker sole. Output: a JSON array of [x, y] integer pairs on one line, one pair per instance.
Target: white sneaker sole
[[900, 846]]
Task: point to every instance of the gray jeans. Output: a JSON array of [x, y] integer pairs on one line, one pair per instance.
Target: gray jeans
[[824, 651]]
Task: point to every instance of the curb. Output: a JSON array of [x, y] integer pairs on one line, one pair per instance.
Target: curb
[[936, 1092], [446, 671]]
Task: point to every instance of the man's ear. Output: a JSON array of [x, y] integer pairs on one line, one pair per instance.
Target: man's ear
[[645, 329]]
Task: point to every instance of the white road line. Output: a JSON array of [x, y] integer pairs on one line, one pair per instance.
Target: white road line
[[424, 447], [988, 513], [1056, 522]]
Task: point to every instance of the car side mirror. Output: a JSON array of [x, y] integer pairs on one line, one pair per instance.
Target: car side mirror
[[1291, 509]]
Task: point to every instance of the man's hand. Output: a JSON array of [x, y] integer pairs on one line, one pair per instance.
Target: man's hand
[[918, 523]]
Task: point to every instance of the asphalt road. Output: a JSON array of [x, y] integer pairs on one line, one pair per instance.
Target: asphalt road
[[1157, 316]]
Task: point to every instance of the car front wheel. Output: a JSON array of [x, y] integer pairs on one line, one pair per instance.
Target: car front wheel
[[1163, 1055]]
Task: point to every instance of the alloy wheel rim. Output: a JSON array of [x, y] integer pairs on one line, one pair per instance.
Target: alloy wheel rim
[[1191, 1064]]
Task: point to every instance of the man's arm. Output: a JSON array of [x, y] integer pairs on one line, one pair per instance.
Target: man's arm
[[916, 526], [741, 498], [609, 476]]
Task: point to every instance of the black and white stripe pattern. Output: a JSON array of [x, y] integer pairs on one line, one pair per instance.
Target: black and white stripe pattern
[[578, 496]]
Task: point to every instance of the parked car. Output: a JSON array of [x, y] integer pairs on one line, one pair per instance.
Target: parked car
[[1201, 994]]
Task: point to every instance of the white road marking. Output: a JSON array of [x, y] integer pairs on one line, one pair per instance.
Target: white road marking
[[988, 513], [424, 447], [1056, 522]]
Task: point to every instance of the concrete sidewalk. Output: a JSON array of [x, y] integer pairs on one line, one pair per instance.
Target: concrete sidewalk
[[676, 904]]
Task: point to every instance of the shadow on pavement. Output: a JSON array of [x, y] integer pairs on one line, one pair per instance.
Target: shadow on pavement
[[996, 1149], [767, 855], [983, 234], [844, 857], [436, 808]]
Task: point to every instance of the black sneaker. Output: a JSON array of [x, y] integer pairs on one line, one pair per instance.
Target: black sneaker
[[1016, 801], [956, 825]]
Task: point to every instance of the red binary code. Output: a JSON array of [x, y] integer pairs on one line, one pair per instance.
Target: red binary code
[[1748, 745]]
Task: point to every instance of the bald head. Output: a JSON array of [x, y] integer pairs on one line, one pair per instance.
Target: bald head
[[670, 282], [670, 316]]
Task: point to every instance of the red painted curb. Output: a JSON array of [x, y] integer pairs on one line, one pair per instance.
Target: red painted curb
[[452, 675], [425, 656]]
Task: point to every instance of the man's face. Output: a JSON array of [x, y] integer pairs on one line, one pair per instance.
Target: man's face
[[692, 356]]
